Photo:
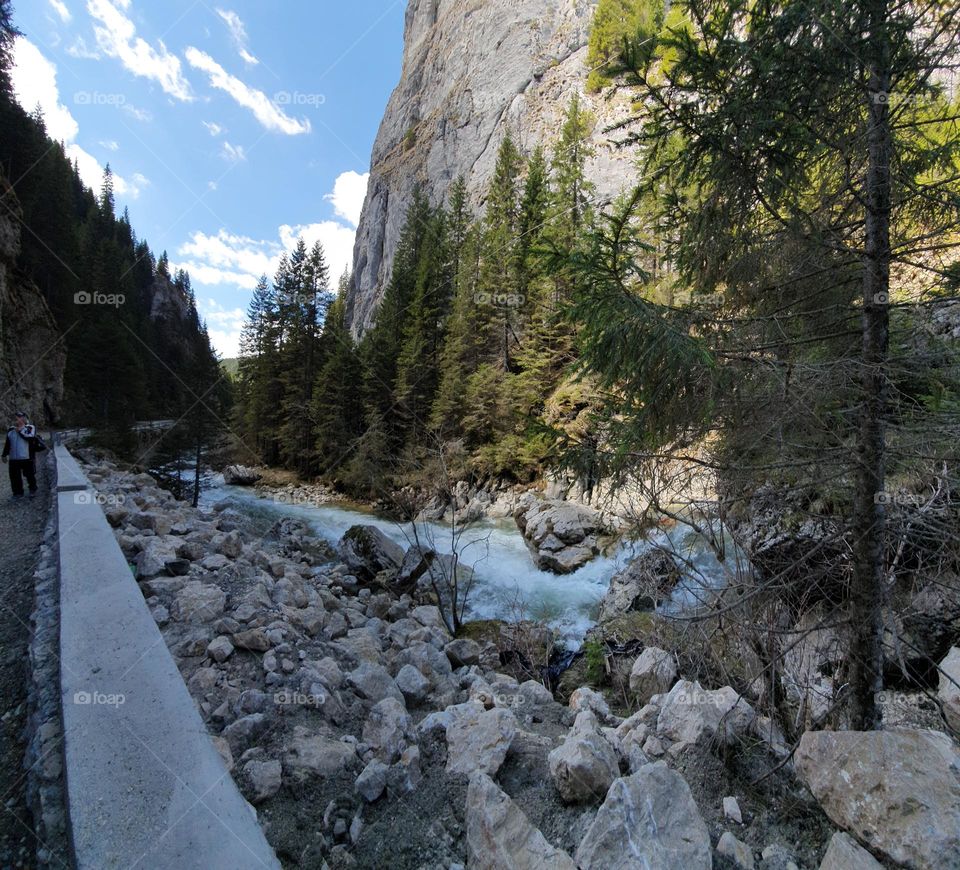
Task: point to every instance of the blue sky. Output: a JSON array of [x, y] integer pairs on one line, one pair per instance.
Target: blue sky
[[231, 127]]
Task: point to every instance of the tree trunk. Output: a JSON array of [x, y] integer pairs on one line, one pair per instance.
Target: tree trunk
[[196, 473], [867, 592]]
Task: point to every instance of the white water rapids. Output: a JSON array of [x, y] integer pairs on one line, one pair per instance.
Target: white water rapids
[[507, 585]]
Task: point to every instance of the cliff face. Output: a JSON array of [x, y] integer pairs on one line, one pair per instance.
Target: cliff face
[[32, 354], [472, 70]]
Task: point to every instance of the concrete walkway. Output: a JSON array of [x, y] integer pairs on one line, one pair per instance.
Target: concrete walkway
[[145, 786]]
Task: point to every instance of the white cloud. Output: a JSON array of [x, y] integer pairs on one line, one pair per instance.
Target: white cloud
[[79, 49], [35, 84], [266, 112], [117, 37], [337, 241], [213, 128], [238, 33], [142, 115], [61, 9], [226, 258], [223, 325], [233, 153], [109, 144], [34, 81], [349, 191]]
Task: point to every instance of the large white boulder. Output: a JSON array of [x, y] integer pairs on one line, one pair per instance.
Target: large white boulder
[[896, 791], [844, 853], [500, 836], [585, 764], [691, 714], [653, 673], [478, 739], [649, 819]]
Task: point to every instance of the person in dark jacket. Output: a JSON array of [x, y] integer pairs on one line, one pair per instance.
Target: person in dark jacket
[[20, 448]]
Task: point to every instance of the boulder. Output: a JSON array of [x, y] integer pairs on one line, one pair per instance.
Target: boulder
[[220, 648], [585, 764], [649, 819], [387, 729], [367, 551], [500, 836], [414, 685], [462, 651], [844, 853], [691, 714], [372, 780], [199, 602], [240, 475], [478, 739], [316, 755], [949, 689], [561, 536], [653, 673], [897, 791], [263, 778], [735, 851], [644, 584], [253, 639], [231, 545], [374, 683]]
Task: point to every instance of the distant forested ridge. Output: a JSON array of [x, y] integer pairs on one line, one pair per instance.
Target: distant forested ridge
[[135, 345]]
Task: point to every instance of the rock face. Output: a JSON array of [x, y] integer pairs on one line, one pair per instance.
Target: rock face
[[32, 359], [471, 72], [897, 791], [585, 764], [844, 853], [499, 835], [649, 819], [561, 536]]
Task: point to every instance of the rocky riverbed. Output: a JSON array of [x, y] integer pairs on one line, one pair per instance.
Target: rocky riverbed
[[367, 736]]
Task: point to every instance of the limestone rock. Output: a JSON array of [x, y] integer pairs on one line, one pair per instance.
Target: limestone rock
[[316, 755], [949, 691], [896, 791], [653, 673], [372, 780], [585, 764], [264, 778], [646, 582], [562, 536], [735, 851], [649, 819], [453, 106], [500, 836], [844, 853], [367, 551], [199, 602], [478, 739], [387, 729], [240, 475], [691, 714]]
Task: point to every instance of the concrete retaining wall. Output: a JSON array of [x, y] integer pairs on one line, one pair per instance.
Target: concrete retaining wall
[[145, 785]]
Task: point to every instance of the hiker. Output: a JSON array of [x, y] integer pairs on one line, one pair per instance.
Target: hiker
[[21, 447]]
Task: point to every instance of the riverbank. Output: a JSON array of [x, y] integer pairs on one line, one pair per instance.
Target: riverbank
[[367, 736]]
